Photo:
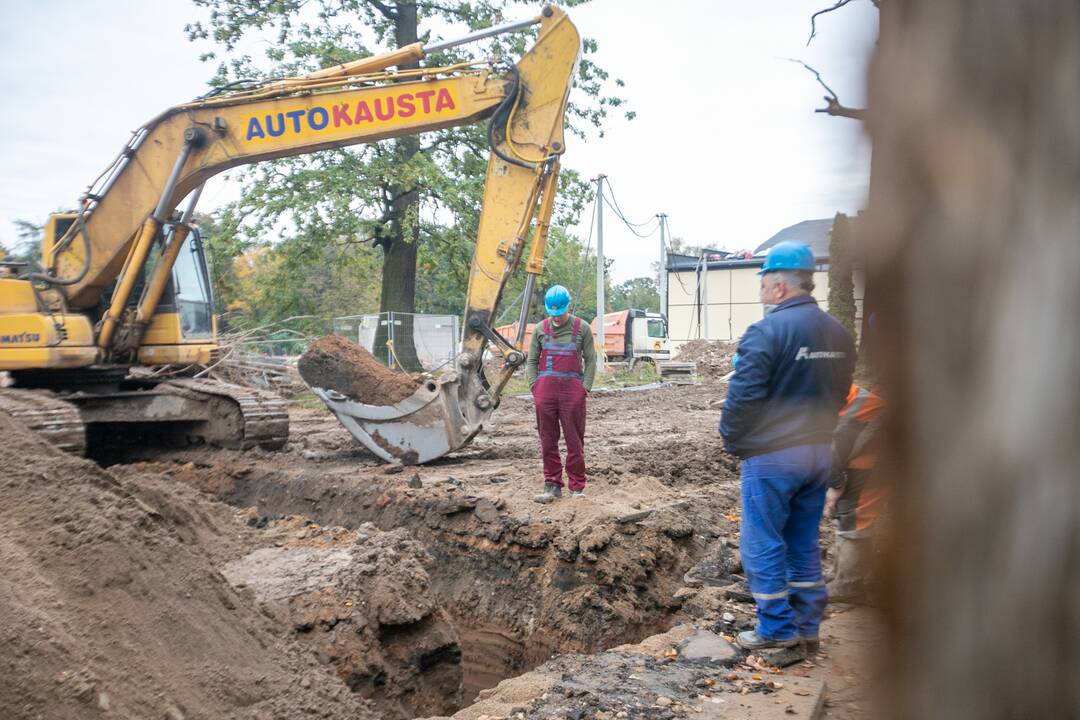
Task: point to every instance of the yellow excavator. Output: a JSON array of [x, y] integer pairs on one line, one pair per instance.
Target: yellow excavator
[[125, 284]]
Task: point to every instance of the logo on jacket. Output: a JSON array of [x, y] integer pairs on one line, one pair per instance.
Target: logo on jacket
[[805, 354]]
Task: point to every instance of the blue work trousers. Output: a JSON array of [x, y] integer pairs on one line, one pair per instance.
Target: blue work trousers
[[783, 493]]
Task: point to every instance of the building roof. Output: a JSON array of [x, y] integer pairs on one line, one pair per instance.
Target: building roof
[[677, 262], [814, 233], [689, 263]]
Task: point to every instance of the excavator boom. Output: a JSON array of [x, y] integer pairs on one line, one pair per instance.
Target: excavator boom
[[96, 306]]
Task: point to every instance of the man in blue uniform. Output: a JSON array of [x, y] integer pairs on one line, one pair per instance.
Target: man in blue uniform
[[792, 378]]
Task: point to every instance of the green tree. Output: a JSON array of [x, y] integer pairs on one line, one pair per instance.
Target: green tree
[[841, 272], [27, 247], [637, 293], [256, 284], [394, 194]]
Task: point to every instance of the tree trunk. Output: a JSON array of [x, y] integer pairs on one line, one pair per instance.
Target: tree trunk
[[399, 259], [973, 255]]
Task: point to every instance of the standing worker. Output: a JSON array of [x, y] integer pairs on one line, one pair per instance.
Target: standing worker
[[792, 378], [560, 371], [855, 492]]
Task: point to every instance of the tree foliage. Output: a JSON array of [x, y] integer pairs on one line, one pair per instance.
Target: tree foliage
[[639, 293], [27, 247], [416, 195], [841, 273]]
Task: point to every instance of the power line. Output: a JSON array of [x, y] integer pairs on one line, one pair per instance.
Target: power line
[[613, 203], [678, 275], [630, 226], [621, 214]]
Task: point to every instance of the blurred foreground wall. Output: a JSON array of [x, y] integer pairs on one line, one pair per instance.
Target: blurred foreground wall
[[975, 263]]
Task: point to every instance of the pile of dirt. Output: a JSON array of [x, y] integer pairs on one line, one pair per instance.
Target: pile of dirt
[[713, 357], [334, 363], [110, 606]]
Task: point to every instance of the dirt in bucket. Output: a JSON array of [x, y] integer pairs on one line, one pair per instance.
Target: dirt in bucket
[[334, 363]]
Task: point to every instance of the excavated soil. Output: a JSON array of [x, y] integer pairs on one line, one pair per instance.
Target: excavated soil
[[520, 581], [713, 357], [334, 363], [110, 605], [360, 587]]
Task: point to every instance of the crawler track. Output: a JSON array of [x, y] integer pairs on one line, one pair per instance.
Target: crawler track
[[211, 412], [56, 420], [265, 415]]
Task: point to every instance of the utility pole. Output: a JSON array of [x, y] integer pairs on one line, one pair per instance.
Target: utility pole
[[600, 261], [705, 292], [663, 265]]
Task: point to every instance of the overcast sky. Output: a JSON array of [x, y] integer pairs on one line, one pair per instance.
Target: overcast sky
[[725, 140]]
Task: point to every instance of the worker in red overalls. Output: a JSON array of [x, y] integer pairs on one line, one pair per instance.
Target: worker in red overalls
[[560, 371]]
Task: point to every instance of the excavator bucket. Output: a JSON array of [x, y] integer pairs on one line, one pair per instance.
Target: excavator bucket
[[400, 419]]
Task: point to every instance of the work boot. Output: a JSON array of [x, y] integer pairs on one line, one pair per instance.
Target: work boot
[[551, 491], [577, 493], [812, 643], [715, 569], [750, 640]]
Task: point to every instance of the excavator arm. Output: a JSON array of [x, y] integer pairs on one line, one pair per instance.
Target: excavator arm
[[125, 214]]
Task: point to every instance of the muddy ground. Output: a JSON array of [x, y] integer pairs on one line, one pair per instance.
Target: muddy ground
[[413, 590]]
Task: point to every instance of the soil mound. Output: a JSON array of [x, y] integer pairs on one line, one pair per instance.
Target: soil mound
[[713, 357], [334, 363], [109, 606]]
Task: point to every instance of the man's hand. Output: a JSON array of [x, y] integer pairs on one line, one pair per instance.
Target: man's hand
[[831, 498]]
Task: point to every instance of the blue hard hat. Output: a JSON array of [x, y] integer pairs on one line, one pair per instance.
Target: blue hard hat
[[789, 255], [556, 300]]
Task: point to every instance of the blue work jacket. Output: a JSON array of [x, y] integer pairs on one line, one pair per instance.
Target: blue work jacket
[[792, 378]]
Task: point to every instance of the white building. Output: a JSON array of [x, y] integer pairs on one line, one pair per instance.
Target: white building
[[714, 296]]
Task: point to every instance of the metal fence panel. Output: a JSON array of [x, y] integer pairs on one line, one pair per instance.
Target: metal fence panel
[[435, 337]]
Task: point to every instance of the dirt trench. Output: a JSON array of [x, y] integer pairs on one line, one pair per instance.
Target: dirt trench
[[520, 582], [421, 587], [517, 586]]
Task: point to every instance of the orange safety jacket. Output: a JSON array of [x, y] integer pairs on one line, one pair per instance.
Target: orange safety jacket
[[855, 437], [854, 455]]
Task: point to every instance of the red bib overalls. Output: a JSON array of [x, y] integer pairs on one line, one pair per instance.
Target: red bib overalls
[[559, 397]]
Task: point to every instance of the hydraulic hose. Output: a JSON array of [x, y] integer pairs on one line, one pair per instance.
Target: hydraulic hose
[[500, 117]]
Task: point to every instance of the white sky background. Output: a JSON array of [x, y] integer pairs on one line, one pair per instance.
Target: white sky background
[[725, 140]]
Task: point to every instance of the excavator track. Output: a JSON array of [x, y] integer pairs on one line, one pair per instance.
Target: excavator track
[[46, 414], [265, 416], [213, 412]]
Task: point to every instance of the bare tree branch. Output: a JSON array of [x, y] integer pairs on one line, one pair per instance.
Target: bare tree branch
[[838, 110], [813, 27], [833, 105]]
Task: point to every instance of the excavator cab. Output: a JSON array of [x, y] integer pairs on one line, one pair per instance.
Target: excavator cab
[[189, 292]]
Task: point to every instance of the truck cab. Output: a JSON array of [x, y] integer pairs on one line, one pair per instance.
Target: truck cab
[[633, 335]]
